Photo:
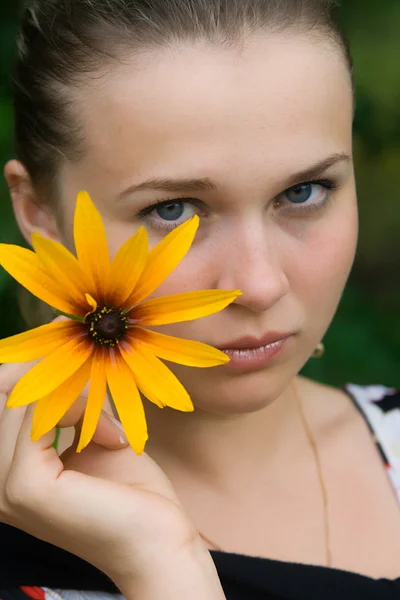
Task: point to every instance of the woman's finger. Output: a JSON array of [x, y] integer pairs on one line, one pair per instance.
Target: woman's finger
[[3, 402], [11, 373], [30, 494], [10, 425], [34, 461], [39, 491], [109, 432]]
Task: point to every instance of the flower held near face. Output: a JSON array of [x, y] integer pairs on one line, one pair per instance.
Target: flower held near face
[[105, 340]]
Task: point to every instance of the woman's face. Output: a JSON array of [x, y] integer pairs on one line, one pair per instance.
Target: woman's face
[[226, 134]]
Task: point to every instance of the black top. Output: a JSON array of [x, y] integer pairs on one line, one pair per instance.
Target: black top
[[28, 562]]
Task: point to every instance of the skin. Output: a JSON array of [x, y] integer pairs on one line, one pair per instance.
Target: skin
[[247, 118], [227, 125]]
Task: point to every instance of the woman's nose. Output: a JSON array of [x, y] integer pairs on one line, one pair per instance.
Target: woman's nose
[[252, 263]]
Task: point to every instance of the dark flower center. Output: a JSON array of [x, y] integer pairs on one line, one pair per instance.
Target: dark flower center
[[107, 326]]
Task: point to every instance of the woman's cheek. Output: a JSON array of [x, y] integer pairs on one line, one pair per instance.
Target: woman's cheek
[[191, 274], [325, 261]]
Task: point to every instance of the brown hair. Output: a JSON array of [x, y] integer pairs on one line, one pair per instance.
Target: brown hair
[[63, 41]]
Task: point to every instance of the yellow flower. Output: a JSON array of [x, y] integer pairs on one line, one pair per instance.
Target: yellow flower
[[104, 340]]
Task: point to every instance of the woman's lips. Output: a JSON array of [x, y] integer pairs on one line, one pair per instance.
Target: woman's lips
[[252, 359]]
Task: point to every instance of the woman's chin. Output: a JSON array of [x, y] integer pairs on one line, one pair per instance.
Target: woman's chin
[[242, 395]]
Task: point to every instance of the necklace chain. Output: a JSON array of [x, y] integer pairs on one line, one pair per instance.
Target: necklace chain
[[324, 493]]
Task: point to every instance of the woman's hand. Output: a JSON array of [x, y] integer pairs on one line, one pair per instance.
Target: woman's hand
[[130, 525]]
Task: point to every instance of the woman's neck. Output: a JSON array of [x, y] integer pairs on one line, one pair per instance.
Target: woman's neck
[[225, 450]]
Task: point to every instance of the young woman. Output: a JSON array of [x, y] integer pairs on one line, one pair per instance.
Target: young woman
[[239, 111]]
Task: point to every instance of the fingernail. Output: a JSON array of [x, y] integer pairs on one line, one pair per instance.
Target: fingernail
[[117, 425]]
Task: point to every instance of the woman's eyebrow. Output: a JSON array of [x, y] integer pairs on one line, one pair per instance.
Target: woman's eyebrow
[[173, 185], [208, 185], [317, 170]]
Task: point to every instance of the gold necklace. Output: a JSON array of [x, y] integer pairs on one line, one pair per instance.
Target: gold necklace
[[324, 494]]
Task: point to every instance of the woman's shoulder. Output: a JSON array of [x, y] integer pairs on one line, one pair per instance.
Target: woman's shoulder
[[374, 401], [375, 398], [380, 407], [336, 409]]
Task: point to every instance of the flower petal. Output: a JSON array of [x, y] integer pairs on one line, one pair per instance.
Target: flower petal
[[63, 266], [37, 342], [28, 270], [91, 244], [91, 302], [97, 394], [163, 259], [183, 352], [50, 373], [127, 266], [50, 409], [128, 402], [182, 307], [155, 380]]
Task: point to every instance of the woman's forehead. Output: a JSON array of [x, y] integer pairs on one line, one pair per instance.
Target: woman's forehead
[[271, 99]]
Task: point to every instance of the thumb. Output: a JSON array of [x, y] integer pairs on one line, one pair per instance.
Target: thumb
[[109, 432]]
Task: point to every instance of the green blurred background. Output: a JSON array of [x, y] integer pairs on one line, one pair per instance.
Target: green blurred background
[[363, 343]]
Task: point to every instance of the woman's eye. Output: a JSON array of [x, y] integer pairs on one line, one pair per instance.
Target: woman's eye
[[311, 195], [300, 193], [170, 213]]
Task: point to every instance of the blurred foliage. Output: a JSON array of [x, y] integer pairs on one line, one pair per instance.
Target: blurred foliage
[[363, 342]]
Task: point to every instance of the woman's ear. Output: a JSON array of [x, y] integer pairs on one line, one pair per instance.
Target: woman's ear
[[32, 215]]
